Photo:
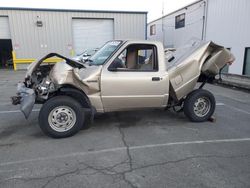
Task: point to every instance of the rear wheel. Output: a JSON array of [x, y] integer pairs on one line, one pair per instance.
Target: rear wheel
[[61, 117], [199, 105]]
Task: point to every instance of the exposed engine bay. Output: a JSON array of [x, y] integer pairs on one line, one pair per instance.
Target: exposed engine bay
[[38, 83]]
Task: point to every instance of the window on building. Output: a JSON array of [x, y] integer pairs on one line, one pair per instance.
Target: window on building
[[153, 29], [180, 21], [246, 68]]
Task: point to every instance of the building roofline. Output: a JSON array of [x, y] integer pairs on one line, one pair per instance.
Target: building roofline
[[195, 2], [72, 10]]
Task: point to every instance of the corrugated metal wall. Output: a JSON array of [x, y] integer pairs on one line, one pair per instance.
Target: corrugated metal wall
[[30, 41], [176, 37], [158, 31], [86, 35], [228, 24]]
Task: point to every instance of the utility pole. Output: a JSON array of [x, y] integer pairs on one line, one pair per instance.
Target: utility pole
[[204, 19], [162, 25]]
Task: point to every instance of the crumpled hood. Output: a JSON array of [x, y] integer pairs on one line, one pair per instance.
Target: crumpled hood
[[86, 79], [33, 66]]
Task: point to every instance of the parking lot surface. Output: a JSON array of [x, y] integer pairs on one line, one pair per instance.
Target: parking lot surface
[[151, 148]]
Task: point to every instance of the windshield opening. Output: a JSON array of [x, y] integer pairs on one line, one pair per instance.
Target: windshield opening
[[100, 57]]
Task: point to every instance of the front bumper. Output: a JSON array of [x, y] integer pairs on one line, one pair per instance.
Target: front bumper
[[26, 98]]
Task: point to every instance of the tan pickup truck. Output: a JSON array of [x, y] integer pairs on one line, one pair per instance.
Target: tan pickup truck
[[122, 75]]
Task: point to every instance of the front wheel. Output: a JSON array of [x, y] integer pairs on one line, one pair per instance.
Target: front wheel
[[61, 117], [199, 105]]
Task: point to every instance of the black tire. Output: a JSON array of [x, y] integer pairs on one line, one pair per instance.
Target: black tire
[[207, 104], [74, 114]]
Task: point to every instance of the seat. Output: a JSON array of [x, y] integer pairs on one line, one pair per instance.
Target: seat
[[131, 60]]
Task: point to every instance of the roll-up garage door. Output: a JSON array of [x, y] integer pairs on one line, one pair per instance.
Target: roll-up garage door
[[91, 33], [4, 28]]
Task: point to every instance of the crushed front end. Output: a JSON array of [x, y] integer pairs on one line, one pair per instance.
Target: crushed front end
[[39, 84]]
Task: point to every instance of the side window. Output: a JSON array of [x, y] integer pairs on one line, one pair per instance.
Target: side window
[[137, 58], [153, 29], [180, 21]]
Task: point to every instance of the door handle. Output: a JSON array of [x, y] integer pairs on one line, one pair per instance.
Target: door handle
[[156, 79]]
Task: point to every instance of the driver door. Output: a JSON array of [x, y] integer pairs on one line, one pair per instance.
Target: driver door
[[133, 80]]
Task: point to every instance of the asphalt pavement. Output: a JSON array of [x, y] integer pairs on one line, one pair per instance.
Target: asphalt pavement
[[151, 148]]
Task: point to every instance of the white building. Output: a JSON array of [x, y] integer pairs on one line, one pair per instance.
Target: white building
[[27, 34], [225, 22]]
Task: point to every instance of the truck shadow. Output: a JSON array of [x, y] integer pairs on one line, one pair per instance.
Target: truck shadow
[[125, 119], [139, 118]]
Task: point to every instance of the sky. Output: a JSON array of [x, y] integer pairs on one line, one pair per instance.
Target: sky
[[153, 7]]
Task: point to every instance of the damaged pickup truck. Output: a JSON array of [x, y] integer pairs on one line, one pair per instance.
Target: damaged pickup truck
[[120, 76]]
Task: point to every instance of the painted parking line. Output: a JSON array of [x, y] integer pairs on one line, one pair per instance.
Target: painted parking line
[[217, 104], [37, 110], [118, 149], [220, 104], [238, 109], [233, 108], [16, 111]]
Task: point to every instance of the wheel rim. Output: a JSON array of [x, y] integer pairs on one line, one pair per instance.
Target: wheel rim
[[202, 106], [62, 118]]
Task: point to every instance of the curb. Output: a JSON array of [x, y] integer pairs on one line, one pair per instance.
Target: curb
[[234, 80]]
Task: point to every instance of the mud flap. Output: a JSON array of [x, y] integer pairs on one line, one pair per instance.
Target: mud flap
[[27, 99]]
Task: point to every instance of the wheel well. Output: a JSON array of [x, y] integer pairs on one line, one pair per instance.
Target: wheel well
[[76, 94], [206, 78]]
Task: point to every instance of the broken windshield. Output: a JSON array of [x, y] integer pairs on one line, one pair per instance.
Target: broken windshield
[[100, 57]]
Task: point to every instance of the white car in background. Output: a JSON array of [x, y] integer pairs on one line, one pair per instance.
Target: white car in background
[[85, 54]]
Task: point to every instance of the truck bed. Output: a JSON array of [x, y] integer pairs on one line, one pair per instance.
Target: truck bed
[[185, 65]]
